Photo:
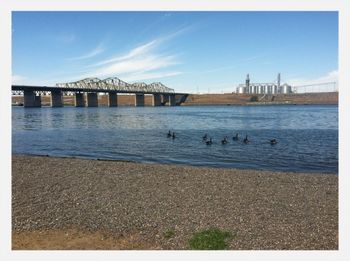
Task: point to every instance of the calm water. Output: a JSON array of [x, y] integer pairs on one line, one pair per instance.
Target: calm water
[[307, 135]]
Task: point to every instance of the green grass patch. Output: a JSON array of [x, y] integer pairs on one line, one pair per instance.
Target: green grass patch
[[211, 239], [169, 234]]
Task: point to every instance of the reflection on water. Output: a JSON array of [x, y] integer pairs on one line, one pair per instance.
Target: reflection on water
[[307, 135]]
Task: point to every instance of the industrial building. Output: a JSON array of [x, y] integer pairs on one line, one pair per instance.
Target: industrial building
[[264, 88]]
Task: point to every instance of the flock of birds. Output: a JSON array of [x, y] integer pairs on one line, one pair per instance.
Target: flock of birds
[[209, 141]]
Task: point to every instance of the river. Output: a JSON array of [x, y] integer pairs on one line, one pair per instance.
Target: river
[[307, 135]]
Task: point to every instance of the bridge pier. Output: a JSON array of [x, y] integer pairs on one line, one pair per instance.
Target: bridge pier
[[79, 100], [172, 100], [139, 99], [156, 100], [56, 99], [183, 98], [112, 99], [165, 99], [30, 99], [92, 100]]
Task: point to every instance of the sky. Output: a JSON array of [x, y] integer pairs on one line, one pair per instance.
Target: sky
[[195, 52]]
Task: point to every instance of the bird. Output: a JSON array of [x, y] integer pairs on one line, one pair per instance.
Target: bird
[[224, 141], [169, 134], [235, 137], [273, 141], [209, 142], [205, 137], [173, 136], [246, 139]]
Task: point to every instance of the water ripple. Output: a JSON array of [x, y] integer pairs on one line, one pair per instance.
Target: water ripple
[[307, 135]]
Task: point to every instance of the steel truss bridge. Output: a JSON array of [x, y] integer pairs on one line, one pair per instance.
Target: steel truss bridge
[[96, 85], [115, 84], [86, 92]]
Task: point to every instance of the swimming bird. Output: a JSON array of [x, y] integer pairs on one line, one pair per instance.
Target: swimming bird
[[169, 134], [209, 142], [235, 137], [224, 141], [273, 141], [246, 139], [205, 137], [173, 136]]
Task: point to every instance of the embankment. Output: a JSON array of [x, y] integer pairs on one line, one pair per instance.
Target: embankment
[[215, 99], [242, 99]]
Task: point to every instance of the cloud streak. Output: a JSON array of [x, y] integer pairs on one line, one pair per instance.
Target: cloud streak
[[65, 37], [144, 61], [151, 75], [138, 51], [137, 64], [331, 76], [97, 50]]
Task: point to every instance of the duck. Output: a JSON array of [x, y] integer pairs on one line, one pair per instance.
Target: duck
[[173, 136], [273, 141], [224, 141], [169, 134], [235, 137], [246, 139], [209, 142], [205, 137]]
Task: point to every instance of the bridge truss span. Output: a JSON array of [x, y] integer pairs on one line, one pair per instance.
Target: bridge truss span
[[86, 91], [117, 85]]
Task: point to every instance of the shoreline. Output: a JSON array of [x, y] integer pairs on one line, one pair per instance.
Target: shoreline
[[206, 104], [72, 203], [175, 164], [317, 98]]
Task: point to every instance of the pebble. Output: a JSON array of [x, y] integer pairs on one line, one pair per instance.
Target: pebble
[[282, 211]]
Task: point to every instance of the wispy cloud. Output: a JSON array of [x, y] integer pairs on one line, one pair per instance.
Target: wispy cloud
[[331, 76], [154, 75], [65, 37], [145, 61], [143, 49], [329, 82], [136, 64], [97, 50], [138, 51]]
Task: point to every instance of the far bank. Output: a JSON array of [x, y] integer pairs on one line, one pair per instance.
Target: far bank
[[215, 99]]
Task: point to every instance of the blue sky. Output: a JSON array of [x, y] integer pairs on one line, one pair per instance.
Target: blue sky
[[187, 51]]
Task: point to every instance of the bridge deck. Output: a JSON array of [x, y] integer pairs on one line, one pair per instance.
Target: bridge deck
[[72, 89], [90, 99]]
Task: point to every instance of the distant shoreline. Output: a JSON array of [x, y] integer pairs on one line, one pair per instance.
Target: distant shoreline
[[67, 203], [196, 105], [327, 98]]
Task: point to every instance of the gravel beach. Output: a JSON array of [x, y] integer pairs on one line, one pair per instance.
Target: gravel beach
[[69, 203]]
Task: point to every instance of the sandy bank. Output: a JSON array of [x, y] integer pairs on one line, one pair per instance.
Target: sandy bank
[[61, 203]]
